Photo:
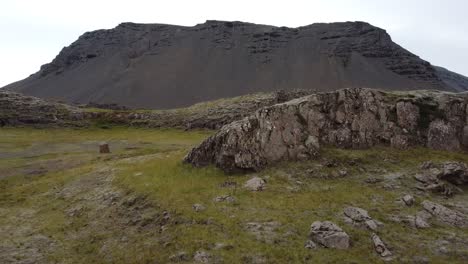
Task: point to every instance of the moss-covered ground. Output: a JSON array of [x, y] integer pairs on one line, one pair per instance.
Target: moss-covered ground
[[63, 202]]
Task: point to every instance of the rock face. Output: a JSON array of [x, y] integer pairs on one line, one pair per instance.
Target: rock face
[[329, 235], [152, 65], [348, 118]]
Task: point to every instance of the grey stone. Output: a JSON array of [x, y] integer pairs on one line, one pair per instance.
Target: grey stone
[[225, 198], [347, 118], [408, 200], [329, 235], [202, 257], [360, 217], [255, 184], [380, 246], [310, 244], [180, 257], [454, 172], [198, 207], [446, 215]]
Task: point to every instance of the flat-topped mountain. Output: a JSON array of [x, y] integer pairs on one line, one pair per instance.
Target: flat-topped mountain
[[166, 66]]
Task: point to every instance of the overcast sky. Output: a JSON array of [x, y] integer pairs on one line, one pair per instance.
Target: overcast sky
[[33, 32]]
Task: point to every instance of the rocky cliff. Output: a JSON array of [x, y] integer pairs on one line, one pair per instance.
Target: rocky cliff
[[165, 66], [348, 118]]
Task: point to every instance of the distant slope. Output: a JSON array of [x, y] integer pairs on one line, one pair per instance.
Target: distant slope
[[454, 80], [164, 66]]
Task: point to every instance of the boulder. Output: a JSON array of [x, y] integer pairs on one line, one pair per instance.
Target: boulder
[[255, 184], [359, 217], [445, 215], [380, 247], [455, 173], [329, 235], [347, 118]]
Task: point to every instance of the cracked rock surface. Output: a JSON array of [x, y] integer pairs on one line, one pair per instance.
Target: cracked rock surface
[[349, 118]]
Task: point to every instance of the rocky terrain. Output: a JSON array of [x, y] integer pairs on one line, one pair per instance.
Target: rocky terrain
[[19, 110], [350, 118], [156, 66], [61, 201], [361, 175]]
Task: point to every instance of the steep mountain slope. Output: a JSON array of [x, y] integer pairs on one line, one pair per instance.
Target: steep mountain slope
[[166, 66], [452, 79]]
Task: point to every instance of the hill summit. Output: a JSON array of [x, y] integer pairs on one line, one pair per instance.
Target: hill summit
[[165, 66]]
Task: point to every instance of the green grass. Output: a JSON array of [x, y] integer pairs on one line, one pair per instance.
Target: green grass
[[149, 165]]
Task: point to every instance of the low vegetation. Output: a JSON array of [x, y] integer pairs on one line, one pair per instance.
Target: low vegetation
[[61, 201]]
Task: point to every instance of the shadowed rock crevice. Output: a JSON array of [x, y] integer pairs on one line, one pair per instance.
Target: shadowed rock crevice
[[348, 118]]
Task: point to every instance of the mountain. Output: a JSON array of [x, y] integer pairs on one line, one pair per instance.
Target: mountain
[[161, 66]]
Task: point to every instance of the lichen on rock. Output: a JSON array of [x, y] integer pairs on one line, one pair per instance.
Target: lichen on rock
[[347, 118]]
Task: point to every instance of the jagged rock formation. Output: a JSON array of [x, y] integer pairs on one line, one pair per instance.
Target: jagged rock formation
[[348, 118], [17, 109], [166, 66]]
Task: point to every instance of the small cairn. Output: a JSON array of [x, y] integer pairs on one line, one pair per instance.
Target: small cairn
[[104, 148]]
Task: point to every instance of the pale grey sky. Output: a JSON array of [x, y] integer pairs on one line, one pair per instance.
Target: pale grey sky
[[33, 32]]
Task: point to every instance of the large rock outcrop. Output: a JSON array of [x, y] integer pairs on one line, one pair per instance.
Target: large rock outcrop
[[156, 66], [19, 110], [348, 118]]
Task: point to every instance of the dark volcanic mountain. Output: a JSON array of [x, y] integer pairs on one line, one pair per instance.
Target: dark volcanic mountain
[[166, 66]]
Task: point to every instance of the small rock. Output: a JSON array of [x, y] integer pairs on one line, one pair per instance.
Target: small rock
[[360, 217], [228, 184], [380, 247], [198, 207], [104, 148], [222, 246], [225, 198], [427, 165], [373, 180], [310, 244], [180, 257], [421, 260], [255, 184], [202, 257], [408, 199], [329, 235], [343, 173]]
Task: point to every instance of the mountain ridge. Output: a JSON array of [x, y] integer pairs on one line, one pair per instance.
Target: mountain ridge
[[162, 66]]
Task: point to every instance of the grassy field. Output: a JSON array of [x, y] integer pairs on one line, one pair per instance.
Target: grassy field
[[63, 202]]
